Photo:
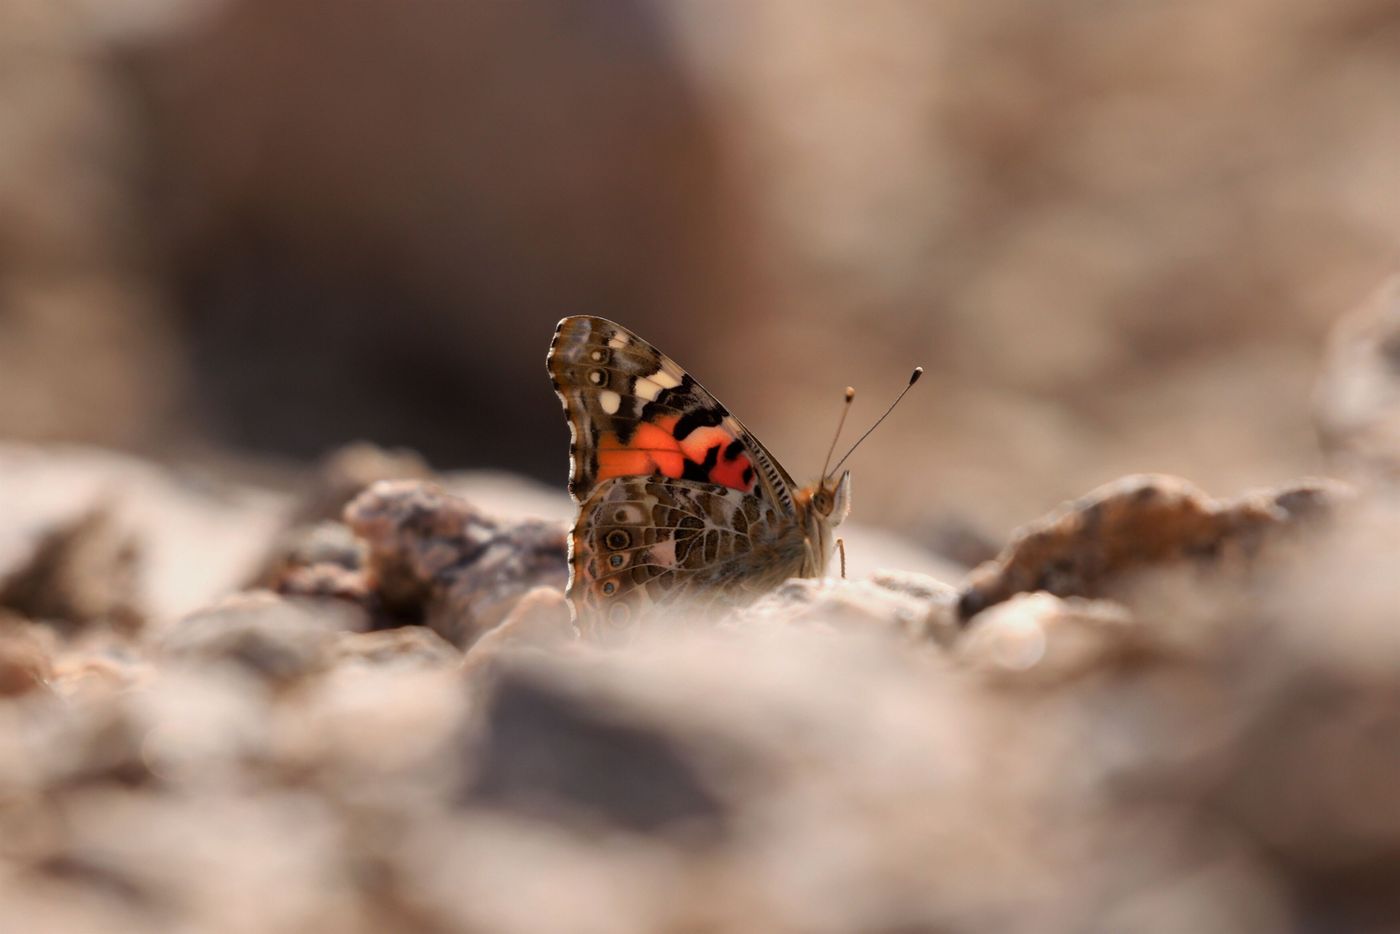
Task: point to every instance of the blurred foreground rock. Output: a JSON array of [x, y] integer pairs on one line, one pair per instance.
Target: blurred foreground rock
[[1155, 710], [80, 571], [94, 537]]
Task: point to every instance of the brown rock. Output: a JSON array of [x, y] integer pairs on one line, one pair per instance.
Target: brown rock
[[553, 748], [541, 619], [413, 646], [82, 571], [1357, 400], [25, 662], [1041, 639], [913, 605], [198, 535], [279, 640], [325, 580], [434, 558], [329, 544], [1092, 547], [95, 676], [315, 534], [1315, 776]]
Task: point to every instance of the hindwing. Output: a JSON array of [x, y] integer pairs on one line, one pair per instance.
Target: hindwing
[[643, 542]]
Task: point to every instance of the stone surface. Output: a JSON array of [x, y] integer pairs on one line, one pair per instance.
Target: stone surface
[[199, 536], [913, 605], [549, 751], [1185, 726], [541, 620], [1040, 639], [1357, 400], [325, 544], [436, 559], [1103, 543], [80, 572], [277, 639], [26, 663], [410, 646]]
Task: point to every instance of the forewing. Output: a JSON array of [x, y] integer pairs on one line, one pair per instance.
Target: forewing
[[634, 412], [648, 542]]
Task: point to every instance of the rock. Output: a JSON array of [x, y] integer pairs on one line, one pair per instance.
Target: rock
[[1357, 399], [316, 545], [1040, 639], [173, 540], [277, 639], [325, 544], [82, 676], [913, 605], [541, 619], [409, 646], [81, 572], [1098, 545], [436, 559], [98, 744], [551, 749], [322, 561], [329, 580], [1314, 777], [25, 662]]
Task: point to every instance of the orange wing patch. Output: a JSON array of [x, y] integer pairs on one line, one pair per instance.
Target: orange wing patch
[[710, 454]]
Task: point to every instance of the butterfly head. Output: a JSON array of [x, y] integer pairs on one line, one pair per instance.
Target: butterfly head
[[830, 499], [823, 506]]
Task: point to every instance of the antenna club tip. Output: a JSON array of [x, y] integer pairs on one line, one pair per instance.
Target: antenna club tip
[[914, 377], [850, 393]]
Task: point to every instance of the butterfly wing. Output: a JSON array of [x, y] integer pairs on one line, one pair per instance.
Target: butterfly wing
[[677, 499], [633, 411], [643, 542]]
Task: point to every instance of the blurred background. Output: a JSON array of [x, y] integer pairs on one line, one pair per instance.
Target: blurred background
[[1115, 234], [238, 234]]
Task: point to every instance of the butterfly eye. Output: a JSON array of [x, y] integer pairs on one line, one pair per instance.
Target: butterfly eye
[[618, 539], [822, 501]]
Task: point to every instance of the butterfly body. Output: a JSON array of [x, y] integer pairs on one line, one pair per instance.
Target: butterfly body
[[677, 500]]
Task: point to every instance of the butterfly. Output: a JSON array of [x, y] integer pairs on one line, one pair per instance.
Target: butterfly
[[678, 501]]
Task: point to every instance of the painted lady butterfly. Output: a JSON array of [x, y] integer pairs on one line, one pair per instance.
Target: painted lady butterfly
[[677, 500]]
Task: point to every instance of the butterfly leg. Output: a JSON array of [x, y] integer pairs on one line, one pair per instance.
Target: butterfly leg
[[841, 547]]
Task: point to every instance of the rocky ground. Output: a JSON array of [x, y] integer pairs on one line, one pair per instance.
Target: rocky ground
[[360, 705]]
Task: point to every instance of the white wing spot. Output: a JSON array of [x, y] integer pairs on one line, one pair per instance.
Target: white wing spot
[[597, 356], [647, 389], [618, 341], [595, 377], [610, 401], [664, 380]]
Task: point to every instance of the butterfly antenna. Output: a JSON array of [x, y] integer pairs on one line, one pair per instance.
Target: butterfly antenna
[[845, 409], [913, 378]]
